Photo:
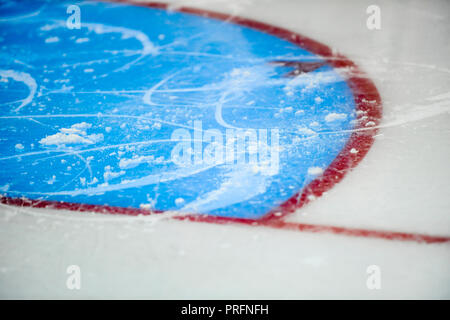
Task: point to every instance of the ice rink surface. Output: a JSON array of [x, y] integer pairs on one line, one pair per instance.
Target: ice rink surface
[[402, 185]]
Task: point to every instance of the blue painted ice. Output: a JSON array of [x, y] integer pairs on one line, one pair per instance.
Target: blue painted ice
[[88, 115]]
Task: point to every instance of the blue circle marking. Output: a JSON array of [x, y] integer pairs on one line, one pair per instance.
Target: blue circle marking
[[93, 115]]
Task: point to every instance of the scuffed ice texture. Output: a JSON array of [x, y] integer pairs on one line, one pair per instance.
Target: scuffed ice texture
[[401, 185], [94, 109]]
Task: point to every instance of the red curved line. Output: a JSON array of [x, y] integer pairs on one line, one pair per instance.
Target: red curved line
[[367, 99], [274, 223]]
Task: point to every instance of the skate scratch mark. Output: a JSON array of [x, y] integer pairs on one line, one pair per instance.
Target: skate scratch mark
[[99, 115], [218, 111], [22, 17], [75, 152], [144, 181], [25, 78], [148, 48], [413, 113]]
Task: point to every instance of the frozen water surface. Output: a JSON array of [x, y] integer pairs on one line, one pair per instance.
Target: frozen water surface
[[87, 117]]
